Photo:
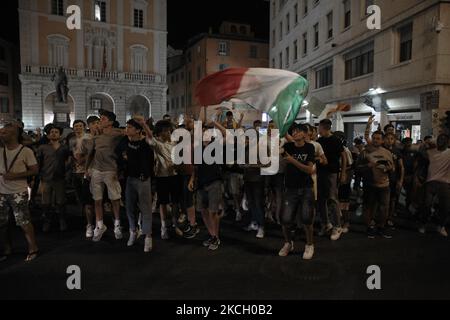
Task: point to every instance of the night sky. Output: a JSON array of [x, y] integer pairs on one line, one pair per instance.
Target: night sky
[[186, 18]]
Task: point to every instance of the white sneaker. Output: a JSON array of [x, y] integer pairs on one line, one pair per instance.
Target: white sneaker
[[165, 234], [309, 252], [148, 246], [443, 232], [346, 228], [89, 231], [252, 227], [422, 230], [139, 233], [132, 239], [118, 232], [287, 248], [261, 233], [336, 234], [238, 216], [98, 233]]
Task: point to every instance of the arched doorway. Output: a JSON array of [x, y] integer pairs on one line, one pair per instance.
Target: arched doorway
[[100, 100], [59, 113], [138, 105]]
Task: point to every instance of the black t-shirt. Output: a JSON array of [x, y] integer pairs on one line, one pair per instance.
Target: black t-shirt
[[409, 157], [294, 177], [139, 159], [333, 148], [208, 173]]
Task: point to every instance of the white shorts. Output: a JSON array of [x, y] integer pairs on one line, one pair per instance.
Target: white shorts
[[98, 182]]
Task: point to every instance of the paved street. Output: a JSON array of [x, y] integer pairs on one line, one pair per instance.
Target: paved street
[[412, 265]]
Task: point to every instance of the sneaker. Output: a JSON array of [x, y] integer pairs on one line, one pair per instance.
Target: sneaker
[[118, 232], [383, 232], [346, 228], [336, 234], [191, 232], [325, 230], [443, 232], [98, 233], [208, 242], [132, 239], [148, 246], [139, 233], [178, 231], [182, 219], [391, 224], [287, 248], [371, 232], [214, 244], [252, 227], [238, 216], [89, 231], [422, 230], [260, 234], [165, 234], [309, 252], [62, 225]]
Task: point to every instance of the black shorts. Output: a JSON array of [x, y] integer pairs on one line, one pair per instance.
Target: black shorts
[[187, 197], [82, 188], [167, 189], [345, 192]]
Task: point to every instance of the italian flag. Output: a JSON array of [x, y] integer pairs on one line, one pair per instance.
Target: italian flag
[[279, 93]]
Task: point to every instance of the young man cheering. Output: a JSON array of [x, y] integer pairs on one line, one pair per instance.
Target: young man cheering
[[104, 172], [379, 163], [138, 187], [299, 194]]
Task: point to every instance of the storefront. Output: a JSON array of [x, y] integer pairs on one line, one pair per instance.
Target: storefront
[[407, 125]]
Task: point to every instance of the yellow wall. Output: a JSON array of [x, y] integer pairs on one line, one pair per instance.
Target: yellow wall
[[57, 25], [47, 28], [131, 38]]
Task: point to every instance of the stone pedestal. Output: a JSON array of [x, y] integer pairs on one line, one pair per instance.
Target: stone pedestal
[[62, 114]]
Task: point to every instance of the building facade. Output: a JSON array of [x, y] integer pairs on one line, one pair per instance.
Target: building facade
[[400, 73], [234, 45], [176, 95], [9, 81], [117, 61]]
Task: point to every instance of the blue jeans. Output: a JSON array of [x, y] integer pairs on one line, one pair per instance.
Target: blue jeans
[[139, 196]]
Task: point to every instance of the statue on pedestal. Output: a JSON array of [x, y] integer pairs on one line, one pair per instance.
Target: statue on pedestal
[[61, 85]]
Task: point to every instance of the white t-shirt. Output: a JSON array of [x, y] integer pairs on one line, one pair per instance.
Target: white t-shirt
[[25, 160], [439, 169], [163, 156]]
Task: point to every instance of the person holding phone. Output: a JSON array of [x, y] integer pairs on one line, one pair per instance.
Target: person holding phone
[[378, 162]]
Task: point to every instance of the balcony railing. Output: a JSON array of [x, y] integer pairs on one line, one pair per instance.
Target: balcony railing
[[48, 71]]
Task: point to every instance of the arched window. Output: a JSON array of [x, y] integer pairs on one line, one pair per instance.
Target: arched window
[[233, 29], [58, 50], [139, 59]]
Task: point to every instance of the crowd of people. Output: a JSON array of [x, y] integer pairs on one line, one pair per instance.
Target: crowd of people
[[131, 169]]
